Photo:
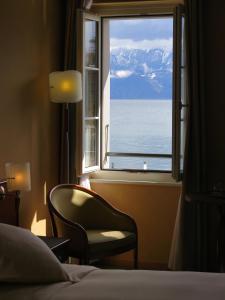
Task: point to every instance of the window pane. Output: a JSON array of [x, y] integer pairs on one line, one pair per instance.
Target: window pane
[[91, 93], [141, 126], [141, 72], [91, 43], [182, 42], [91, 143], [183, 115], [183, 85]]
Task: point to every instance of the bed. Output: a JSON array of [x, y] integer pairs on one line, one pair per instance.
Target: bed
[[96, 284], [29, 270]]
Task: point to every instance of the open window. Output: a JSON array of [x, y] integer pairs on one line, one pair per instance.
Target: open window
[[91, 88], [138, 58], [134, 106], [180, 98]]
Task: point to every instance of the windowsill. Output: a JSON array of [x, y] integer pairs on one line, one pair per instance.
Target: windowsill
[[123, 177]]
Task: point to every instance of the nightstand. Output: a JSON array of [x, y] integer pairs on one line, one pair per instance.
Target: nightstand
[[59, 246]]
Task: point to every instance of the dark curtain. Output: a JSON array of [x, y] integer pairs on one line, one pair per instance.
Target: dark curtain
[[68, 112], [194, 243], [194, 168], [195, 215]]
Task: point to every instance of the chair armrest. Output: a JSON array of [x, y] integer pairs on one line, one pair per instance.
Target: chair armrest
[[62, 227], [73, 231]]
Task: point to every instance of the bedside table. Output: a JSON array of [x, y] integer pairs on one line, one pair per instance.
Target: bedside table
[[59, 246]]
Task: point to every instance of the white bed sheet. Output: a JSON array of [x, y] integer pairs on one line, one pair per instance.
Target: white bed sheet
[[97, 284]]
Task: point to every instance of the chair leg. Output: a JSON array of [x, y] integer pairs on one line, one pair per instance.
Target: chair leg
[[136, 257]]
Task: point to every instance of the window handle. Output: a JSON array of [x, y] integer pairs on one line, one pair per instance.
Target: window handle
[[183, 105]]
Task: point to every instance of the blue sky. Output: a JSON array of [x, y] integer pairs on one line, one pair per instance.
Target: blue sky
[[142, 33]]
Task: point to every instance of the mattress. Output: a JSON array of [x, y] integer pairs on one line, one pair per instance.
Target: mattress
[[89, 283]]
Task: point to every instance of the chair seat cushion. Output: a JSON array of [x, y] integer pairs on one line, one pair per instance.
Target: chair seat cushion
[[109, 241]]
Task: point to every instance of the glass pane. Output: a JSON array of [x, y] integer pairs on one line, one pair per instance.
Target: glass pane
[[141, 72], [91, 143], [91, 93], [182, 140], [183, 58], [140, 163], [183, 86], [141, 126], [91, 43], [183, 116]]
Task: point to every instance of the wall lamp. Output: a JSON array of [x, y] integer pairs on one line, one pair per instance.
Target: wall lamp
[[17, 178], [65, 87]]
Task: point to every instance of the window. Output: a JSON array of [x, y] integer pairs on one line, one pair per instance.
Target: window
[[134, 104], [139, 51], [180, 99], [91, 103]]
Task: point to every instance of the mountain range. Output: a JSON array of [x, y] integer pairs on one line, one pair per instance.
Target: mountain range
[[140, 74]]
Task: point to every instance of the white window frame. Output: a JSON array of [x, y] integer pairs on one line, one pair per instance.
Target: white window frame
[[148, 9], [106, 153], [80, 115]]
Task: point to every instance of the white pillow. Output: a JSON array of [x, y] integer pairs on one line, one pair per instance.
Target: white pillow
[[24, 258]]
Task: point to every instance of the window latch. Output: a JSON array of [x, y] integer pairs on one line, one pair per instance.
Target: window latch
[[183, 105]]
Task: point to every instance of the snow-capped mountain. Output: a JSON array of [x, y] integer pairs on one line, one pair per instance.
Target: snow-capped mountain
[[140, 74]]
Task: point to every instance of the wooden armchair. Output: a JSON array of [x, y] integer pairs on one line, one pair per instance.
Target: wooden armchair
[[96, 229]]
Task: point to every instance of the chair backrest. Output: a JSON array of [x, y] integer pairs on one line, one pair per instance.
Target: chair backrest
[[81, 206]]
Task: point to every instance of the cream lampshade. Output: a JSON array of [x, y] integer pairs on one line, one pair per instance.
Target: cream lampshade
[[18, 176], [65, 86]]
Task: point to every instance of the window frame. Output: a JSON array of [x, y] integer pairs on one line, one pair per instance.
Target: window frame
[[122, 10], [80, 114], [104, 146], [179, 108]]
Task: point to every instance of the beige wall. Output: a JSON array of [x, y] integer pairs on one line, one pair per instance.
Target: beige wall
[[31, 47], [154, 209]]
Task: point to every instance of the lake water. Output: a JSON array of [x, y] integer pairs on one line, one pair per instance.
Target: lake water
[[141, 126]]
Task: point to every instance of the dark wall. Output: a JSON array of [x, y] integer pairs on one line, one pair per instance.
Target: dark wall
[[214, 22]]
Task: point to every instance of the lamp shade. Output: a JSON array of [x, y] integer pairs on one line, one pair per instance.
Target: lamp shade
[[65, 86], [18, 176]]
